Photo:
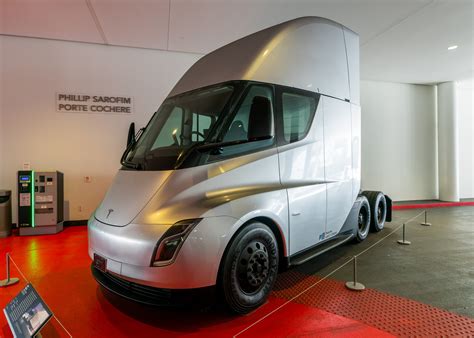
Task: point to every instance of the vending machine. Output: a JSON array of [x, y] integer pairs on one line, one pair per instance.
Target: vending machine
[[40, 202]]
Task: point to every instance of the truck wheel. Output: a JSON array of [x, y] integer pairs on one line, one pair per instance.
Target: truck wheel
[[378, 209], [250, 268], [363, 220]]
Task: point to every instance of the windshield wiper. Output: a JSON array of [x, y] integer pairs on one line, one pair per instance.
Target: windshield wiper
[[204, 146], [132, 165], [185, 154], [128, 164], [208, 146]]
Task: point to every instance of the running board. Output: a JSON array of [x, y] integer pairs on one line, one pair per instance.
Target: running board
[[319, 249]]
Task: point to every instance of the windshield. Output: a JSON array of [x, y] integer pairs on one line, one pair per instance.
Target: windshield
[[180, 123]]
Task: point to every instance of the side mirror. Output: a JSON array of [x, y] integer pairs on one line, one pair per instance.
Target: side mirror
[[260, 119], [131, 135]]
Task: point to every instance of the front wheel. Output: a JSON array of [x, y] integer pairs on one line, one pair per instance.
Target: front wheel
[[249, 268]]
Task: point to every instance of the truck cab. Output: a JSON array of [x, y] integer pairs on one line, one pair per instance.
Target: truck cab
[[251, 163]]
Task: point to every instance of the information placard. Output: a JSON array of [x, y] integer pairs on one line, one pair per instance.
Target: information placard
[[27, 313]]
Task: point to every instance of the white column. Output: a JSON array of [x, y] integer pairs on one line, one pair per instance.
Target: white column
[[448, 143]]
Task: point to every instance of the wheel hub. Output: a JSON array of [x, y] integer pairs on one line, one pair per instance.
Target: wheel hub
[[257, 270], [253, 266]]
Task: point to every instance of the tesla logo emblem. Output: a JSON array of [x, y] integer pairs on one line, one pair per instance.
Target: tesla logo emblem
[[110, 211]]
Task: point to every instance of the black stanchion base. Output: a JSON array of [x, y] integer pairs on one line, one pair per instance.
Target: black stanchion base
[[7, 282], [355, 286]]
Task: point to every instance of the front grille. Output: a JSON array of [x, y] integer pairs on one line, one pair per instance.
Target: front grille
[[142, 290], [140, 293]]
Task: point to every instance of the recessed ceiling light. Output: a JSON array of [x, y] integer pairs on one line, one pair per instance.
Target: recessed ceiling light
[[452, 47]]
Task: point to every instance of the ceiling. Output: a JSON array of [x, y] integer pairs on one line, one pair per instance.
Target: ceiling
[[401, 40]]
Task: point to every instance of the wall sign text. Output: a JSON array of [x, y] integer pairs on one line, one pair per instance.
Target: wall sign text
[[78, 103]]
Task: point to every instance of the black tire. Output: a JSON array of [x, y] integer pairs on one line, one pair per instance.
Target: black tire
[[249, 269], [363, 220], [378, 209]]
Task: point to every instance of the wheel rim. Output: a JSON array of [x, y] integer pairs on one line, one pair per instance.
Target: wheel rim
[[253, 267], [363, 217], [381, 212]]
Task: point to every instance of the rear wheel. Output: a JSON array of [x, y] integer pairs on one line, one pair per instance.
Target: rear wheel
[[250, 268], [363, 220], [378, 209]]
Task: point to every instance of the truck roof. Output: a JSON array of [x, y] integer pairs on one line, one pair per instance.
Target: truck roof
[[310, 53]]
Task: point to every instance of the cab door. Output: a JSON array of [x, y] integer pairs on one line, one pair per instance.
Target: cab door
[[301, 155], [338, 156]]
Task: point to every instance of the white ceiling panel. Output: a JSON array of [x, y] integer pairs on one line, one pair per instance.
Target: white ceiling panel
[[401, 40], [54, 19], [204, 25], [138, 23], [416, 51]]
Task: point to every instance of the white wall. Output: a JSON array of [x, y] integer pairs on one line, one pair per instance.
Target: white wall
[[399, 154], [77, 144], [465, 104], [1, 111]]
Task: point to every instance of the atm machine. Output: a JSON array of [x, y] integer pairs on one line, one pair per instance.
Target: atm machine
[[40, 202]]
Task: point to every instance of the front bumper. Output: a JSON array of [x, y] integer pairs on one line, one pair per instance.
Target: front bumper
[[153, 296], [129, 251]]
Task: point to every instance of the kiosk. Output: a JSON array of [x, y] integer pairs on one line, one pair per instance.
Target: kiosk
[[40, 202]]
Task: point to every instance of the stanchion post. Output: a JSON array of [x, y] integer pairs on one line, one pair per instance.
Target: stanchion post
[[8, 281], [403, 241], [425, 223], [354, 285]]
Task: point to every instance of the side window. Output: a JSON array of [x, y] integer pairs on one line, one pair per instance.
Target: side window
[[298, 112], [239, 128], [171, 128], [248, 125]]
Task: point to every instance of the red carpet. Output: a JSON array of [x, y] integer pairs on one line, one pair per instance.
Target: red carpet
[[58, 267], [432, 205]]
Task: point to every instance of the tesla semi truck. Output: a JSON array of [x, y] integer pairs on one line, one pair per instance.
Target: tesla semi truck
[[250, 165]]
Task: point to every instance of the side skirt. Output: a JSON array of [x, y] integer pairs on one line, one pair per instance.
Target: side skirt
[[347, 232], [319, 249]]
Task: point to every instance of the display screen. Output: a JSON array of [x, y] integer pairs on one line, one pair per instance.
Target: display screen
[[24, 178], [27, 313]]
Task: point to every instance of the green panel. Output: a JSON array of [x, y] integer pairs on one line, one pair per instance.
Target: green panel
[[33, 198]]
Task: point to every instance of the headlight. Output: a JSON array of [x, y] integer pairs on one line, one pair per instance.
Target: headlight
[[168, 246]]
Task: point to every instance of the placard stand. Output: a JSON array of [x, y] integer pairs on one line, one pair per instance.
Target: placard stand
[[8, 281]]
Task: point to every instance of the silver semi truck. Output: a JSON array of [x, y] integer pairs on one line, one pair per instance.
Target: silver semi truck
[[250, 165]]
